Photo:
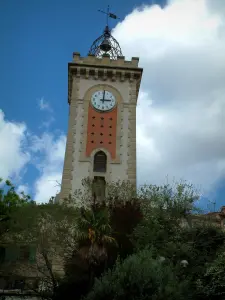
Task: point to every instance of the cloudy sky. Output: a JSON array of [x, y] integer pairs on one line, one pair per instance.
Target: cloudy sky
[[181, 106]]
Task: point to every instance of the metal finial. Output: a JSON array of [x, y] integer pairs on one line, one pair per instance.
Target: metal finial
[[106, 43], [108, 15]]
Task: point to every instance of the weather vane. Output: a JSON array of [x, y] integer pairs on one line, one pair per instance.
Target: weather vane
[[106, 44], [108, 15]]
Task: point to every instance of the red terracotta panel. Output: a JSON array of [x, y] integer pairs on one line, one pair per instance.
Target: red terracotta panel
[[101, 131]]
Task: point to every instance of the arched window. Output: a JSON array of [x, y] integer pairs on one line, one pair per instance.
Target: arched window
[[100, 161]]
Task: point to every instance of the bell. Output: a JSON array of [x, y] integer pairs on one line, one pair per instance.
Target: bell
[[105, 45]]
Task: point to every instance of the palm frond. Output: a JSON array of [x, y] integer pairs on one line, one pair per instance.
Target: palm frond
[[109, 240], [81, 236]]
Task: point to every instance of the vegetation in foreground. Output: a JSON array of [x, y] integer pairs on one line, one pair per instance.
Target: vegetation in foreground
[[130, 246]]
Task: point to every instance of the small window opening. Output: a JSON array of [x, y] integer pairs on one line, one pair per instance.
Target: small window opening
[[100, 162]]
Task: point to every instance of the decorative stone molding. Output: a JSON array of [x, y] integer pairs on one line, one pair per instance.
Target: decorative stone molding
[[104, 69]]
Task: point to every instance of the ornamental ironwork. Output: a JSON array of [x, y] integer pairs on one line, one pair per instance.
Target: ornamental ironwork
[[106, 44]]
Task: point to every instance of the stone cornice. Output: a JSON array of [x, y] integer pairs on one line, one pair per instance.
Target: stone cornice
[[105, 60], [104, 69], [110, 67]]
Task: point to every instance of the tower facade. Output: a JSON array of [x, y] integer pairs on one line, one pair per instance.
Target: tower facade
[[101, 140]]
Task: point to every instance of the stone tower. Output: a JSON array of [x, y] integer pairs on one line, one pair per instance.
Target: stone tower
[[102, 95]]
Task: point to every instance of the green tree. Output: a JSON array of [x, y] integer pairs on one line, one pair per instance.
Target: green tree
[[102, 232], [163, 259], [10, 200], [156, 212], [140, 276], [212, 284], [123, 207], [164, 209], [162, 228], [50, 228], [93, 226], [94, 237]]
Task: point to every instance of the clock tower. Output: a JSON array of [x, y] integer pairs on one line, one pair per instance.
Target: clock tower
[[102, 95]]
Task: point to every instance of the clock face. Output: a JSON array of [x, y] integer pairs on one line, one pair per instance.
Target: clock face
[[103, 100]]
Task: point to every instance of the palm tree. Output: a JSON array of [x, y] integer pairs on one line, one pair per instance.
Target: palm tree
[[94, 234]]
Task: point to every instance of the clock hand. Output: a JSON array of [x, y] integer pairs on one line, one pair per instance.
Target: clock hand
[[103, 100], [106, 100]]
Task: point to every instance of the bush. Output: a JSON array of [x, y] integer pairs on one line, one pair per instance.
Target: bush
[[212, 285], [140, 276]]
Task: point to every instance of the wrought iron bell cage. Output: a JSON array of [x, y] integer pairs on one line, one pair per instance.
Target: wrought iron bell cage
[[106, 44]]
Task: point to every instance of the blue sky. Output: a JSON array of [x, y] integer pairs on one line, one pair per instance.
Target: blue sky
[[38, 39]]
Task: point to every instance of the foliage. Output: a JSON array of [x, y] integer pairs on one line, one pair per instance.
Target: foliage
[[10, 200], [30, 221], [163, 211], [120, 192], [136, 244], [93, 226], [116, 193], [213, 283], [51, 229], [124, 210], [164, 208], [140, 276], [205, 242], [125, 216]]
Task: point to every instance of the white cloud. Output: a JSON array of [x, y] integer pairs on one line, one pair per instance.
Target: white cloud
[[181, 107], [13, 156], [23, 188], [52, 151], [46, 124], [44, 105], [20, 147]]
